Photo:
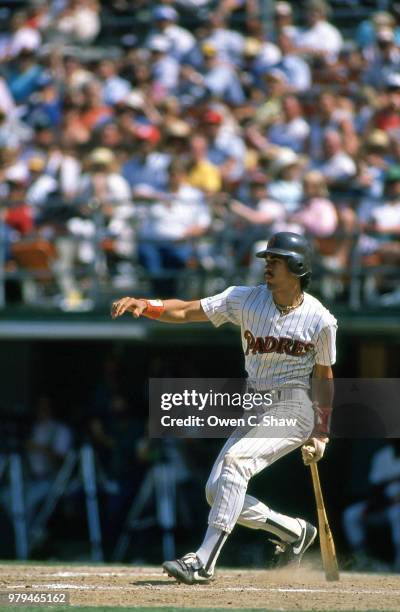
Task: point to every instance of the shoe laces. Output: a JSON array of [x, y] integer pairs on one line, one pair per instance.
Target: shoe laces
[[190, 560], [280, 546]]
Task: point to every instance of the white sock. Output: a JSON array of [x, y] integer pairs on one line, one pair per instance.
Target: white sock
[[285, 527], [211, 547]]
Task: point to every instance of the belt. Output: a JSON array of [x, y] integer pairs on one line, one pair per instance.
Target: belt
[[282, 394]]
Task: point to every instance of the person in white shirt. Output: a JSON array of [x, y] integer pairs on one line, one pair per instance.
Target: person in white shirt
[[336, 166], [321, 39], [292, 130], [168, 228], [181, 41], [114, 88], [229, 44], [164, 67]]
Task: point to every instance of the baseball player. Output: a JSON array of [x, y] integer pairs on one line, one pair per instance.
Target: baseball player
[[287, 337]]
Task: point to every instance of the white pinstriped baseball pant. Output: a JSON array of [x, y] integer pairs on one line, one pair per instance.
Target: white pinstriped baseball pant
[[244, 457]]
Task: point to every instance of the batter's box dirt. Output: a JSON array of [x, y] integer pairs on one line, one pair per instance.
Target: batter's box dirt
[[147, 587]]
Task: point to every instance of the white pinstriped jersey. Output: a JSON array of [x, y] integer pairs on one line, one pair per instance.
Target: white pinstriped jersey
[[280, 350]]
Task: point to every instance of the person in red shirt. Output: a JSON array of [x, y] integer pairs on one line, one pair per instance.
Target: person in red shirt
[[388, 117], [18, 215]]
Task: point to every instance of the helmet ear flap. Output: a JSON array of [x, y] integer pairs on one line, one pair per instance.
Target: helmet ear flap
[[296, 265]]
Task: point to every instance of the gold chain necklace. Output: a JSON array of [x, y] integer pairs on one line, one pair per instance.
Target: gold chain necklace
[[284, 310]]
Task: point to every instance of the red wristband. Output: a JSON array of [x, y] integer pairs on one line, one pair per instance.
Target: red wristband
[[154, 309], [322, 424]]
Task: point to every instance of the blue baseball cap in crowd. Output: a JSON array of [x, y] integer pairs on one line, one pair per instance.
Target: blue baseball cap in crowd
[[165, 13]]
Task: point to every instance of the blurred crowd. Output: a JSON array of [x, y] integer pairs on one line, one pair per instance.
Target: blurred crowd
[[194, 137]]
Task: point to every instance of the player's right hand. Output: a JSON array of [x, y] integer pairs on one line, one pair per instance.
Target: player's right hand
[[128, 304], [313, 450]]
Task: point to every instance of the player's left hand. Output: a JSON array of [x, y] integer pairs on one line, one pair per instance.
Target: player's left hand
[[313, 450]]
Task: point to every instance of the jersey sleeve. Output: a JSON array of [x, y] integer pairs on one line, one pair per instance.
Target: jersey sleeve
[[225, 307], [325, 346]]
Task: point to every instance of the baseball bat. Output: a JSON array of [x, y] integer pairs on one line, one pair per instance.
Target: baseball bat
[[327, 544]]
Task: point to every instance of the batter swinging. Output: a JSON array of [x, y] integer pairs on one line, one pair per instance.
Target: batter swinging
[[287, 336]]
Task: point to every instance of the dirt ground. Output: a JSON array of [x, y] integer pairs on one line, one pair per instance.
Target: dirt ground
[[123, 586]]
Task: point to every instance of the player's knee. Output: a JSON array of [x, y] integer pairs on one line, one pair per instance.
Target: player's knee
[[236, 465]]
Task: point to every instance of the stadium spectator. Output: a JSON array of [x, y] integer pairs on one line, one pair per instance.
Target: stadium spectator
[[321, 40], [387, 115], [317, 215], [291, 130], [294, 67], [385, 219], [384, 60], [181, 42], [220, 78], [228, 44], [226, 148], [77, 22], [381, 508], [367, 30], [286, 186], [336, 165], [49, 442], [164, 67], [202, 174], [168, 228], [283, 20], [22, 37], [148, 168], [114, 88]]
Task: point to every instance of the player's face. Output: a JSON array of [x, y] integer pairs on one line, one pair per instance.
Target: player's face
[[277, 274]]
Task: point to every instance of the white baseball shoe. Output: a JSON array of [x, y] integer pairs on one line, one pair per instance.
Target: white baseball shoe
[[291, 554], [188, 570]]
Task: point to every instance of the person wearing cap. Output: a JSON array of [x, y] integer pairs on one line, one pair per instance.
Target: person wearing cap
[[275, 85], [321, 39], [147, 170], [384, 59], [259, 54], [283, 20], [226, 150], [181, 42], [221, 78], [104, 186], [164, 67], [229, 44]]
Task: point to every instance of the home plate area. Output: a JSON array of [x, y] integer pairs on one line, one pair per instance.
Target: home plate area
[[147, 587]]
